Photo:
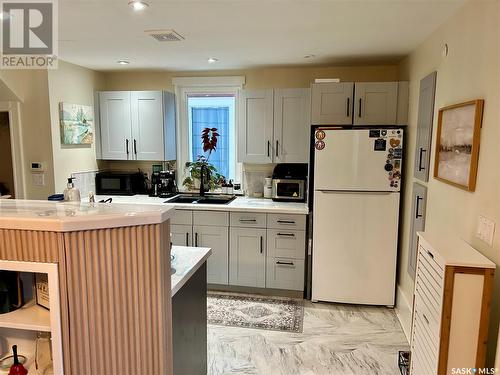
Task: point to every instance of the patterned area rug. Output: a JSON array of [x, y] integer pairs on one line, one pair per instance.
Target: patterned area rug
[[259, 312]]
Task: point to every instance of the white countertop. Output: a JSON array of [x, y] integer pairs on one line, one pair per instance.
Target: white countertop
[[244, 204], [454, 251], [75, 216], [186, 262]]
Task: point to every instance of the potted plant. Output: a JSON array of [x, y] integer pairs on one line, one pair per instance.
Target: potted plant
[[209, 140]]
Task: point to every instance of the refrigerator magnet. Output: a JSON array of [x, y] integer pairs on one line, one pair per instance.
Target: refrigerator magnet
[[320, 145], [380, 145], [320, 135]]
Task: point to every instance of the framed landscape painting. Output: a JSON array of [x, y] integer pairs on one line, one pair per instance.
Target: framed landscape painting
[[457, 146], [77, 123]]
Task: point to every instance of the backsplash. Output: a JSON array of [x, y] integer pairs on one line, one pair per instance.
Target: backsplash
[[253, 177], [85, 182]]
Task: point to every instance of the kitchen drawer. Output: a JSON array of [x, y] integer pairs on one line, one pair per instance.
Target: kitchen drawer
[[285, 273], [211, 218], [286, 243], [286, 221], [182, 217], [250, 219]]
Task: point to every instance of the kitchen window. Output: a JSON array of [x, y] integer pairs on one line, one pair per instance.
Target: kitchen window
[[208, 102], [214, 111]]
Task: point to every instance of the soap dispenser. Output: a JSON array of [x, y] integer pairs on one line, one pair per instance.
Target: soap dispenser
[[71, 193]]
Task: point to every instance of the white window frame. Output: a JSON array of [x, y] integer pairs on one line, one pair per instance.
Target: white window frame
[[185, 86]]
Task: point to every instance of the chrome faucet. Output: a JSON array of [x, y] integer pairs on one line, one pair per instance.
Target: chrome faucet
[[204, 179]]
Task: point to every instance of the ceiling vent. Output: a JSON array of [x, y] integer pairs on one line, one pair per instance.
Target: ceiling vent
[[165, 35]]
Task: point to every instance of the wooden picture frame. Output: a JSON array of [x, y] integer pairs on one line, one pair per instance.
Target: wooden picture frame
[[457, 144]]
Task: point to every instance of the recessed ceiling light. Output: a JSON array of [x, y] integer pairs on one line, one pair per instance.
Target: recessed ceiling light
[[123, 62], [138, 4], [310, 56], [212, 60]]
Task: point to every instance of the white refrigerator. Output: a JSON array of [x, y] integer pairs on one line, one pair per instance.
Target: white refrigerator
[[357, 180]]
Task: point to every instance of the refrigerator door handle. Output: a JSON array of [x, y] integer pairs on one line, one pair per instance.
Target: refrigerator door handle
[[356, 192]]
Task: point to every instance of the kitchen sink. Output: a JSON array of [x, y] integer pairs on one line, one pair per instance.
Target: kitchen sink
[[198, 199]]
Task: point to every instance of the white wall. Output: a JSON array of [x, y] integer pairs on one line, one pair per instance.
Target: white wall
[[71, 84], [471, 71]]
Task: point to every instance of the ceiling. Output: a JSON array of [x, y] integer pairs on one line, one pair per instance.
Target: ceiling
[[245, 33]]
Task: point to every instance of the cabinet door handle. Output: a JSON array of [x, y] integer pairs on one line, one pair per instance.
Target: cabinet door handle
[[268, 149], [187, 238], [135, 147], [196, 239], [126, 145], [420, 167], [248, 220], [284, 263], [261, 244], [286, 221], [348, 105], [277, 148], [417, 215], [430, 254], [359, 112], [286, 234]]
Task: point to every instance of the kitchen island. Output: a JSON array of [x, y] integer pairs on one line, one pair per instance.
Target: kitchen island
[[189, 309], [113, 274]]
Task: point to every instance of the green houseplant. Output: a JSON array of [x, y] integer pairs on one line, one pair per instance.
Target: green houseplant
[[209, 141]]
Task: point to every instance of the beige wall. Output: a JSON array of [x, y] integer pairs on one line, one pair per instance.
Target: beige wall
[[31, 87], [255, 78], [470, 71], [71, 84]]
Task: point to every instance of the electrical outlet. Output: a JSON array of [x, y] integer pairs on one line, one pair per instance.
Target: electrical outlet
[[38, 179], [485, 230]]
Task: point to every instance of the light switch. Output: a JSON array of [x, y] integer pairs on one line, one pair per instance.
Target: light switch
[[38, 179], [485, 230]]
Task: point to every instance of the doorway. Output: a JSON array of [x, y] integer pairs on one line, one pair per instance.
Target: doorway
[[7, 186]]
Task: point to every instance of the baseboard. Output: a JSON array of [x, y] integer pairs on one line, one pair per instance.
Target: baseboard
[[403, 311]]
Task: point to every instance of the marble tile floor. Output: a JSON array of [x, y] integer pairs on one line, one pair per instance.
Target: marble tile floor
[[336, 340]]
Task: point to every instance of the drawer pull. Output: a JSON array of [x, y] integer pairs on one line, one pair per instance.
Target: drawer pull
[[286, 221], [425, 318], [430, 254], [248, 220], [286, 234], [279, 262]]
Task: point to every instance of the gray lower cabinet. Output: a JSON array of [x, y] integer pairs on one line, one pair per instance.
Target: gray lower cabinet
[[216, 238], [247, 256], [424, 126], [419, 200], [285, 273], [181, 235]]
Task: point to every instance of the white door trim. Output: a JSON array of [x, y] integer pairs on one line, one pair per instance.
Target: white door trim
[[17, 149]]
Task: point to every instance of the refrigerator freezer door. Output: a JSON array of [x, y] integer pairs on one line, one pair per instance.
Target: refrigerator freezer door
[[355, 247], [361, 159]]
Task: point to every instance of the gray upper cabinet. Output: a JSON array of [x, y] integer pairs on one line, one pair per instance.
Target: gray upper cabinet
[[116, 130], [255, 129], [332, 103], [424, 126], [133, 125], [274, 126], [419, 202], [375, 103], [291, 125], [147, 125]]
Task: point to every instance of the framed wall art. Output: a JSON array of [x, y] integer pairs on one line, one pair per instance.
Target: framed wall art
[[76, 124], [457, 145]]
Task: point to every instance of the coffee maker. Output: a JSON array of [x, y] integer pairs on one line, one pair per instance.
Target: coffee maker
[[166, 187]]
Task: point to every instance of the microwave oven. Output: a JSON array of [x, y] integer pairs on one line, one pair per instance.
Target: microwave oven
[[288, 190], [120, 183]]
